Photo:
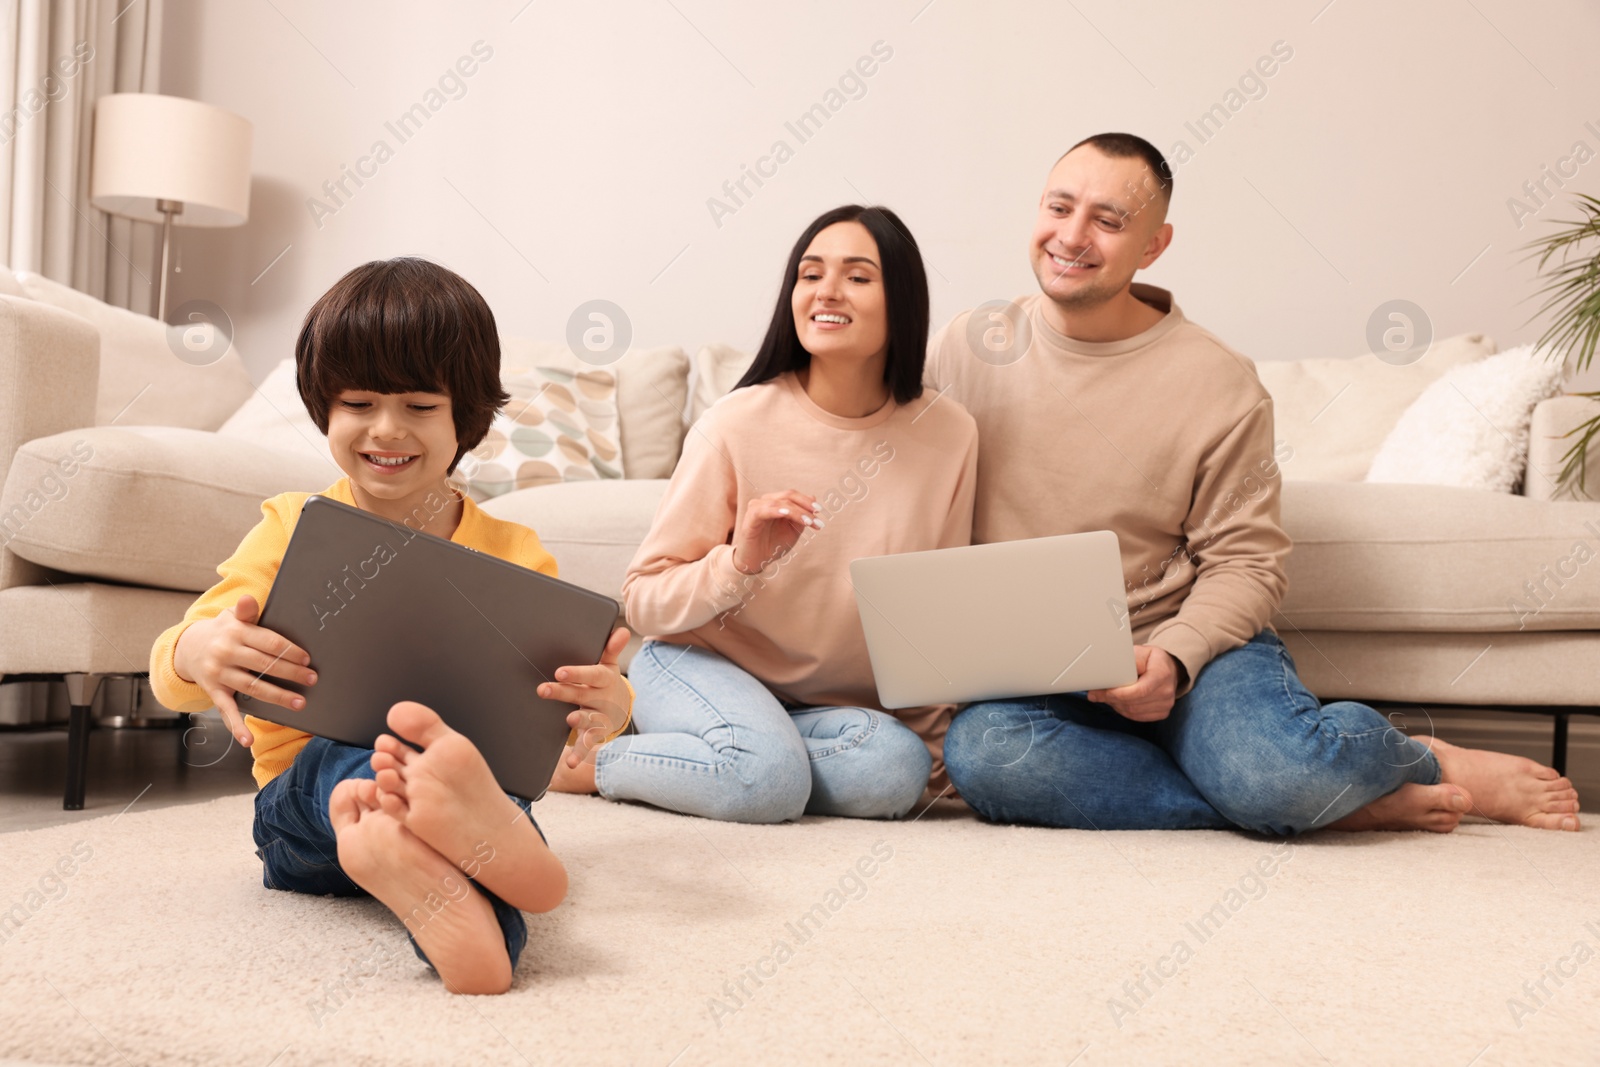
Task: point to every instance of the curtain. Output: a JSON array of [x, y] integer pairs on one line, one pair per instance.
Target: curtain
[[57, 57]]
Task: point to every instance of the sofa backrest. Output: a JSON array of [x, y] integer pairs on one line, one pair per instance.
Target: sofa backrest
[[1332, 414], [143, 381]]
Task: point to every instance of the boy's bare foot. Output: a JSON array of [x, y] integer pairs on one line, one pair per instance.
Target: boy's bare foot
[[453, 922], [1437, 808], [579, 779], [448, 797], [1509, 789]]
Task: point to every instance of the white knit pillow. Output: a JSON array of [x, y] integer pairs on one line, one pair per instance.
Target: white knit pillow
[[1470, 428]]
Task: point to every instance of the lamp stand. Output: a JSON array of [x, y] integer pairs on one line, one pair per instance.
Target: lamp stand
[[168, 209]]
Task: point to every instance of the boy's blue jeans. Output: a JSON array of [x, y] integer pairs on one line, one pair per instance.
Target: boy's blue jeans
[[1247, 747], [295, 840]]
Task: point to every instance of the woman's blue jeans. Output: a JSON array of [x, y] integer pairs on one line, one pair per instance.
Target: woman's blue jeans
[[714, 741], [294, 835], [1247, 747]]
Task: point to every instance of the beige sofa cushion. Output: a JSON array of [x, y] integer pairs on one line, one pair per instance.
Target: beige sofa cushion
[[1387, 558], [85, 626], [159, 506], [717, 369], [1335, 413], [142, 381], [652, 391], [592, 529], [1442, 670]]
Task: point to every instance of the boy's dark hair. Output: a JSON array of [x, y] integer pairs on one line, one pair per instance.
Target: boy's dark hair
[[403, 325], [1127, 146], [905, 291]]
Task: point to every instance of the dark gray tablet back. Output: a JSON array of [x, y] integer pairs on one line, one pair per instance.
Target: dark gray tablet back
[[390, 614]]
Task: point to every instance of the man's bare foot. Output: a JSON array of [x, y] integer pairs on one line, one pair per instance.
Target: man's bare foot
[[1437, 808], [448, 797], [453, 922], [579, 779], [1509, 789]]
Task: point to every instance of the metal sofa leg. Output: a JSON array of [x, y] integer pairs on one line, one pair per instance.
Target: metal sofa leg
[[81, 689], [1558, 751]]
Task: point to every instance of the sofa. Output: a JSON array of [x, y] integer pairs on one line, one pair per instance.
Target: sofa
[[135, 461]]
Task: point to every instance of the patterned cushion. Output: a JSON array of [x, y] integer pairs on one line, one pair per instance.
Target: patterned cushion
[[559, 426]]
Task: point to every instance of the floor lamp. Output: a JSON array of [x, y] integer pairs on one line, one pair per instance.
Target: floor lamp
[[170, 160]]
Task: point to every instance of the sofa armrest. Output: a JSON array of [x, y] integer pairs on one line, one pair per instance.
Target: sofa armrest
[[1548, 442], [49, 378]]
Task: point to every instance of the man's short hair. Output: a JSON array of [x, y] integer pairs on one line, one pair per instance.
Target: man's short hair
[[1129, 146], [403, 325]]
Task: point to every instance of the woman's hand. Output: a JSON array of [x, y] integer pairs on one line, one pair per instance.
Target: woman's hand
[[770, 527]]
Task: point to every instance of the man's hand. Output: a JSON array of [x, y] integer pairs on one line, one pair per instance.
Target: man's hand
[[601, 695], [229, 654], [1150, 699]]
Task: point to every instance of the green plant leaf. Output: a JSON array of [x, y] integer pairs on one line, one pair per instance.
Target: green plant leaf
[[1569, 264]]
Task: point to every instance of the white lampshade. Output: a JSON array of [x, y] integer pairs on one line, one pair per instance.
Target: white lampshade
[[149, 147]]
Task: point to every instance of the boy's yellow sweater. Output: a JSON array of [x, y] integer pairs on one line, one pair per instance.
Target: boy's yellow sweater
[[251, 570]]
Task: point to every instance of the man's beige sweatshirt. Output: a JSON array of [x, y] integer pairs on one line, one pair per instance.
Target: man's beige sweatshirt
[[1164, 438]]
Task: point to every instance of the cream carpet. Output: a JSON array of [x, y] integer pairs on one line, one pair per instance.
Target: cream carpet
[[943, 941]]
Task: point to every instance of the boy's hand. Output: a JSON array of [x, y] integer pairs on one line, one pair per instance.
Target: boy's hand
[[601, 695], [229, 654]]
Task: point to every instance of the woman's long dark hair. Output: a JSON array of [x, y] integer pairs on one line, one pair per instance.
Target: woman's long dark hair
[[905, 291]]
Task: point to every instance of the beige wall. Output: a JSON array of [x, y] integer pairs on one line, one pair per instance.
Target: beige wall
[[1375, 163]]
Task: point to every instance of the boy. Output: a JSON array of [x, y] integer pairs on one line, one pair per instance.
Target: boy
[[399, 364]]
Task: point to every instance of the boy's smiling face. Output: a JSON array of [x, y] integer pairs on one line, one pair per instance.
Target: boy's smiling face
[[396, 447]]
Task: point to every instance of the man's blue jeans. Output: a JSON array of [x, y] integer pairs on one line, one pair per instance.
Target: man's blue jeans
[[1248, 747], [294, 836]]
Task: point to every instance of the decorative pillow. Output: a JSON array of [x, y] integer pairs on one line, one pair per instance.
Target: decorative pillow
[[274, 416], [1335, 413], [652, 390], [717, 369], [1470, 428], [559, 426]]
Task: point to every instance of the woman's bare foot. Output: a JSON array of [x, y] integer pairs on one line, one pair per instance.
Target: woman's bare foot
[[448, 797], [453, 922], [1437, 808], [579, 779], [1509, 789]]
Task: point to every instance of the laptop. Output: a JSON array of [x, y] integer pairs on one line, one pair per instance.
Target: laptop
[[987, 622], [388, 613]]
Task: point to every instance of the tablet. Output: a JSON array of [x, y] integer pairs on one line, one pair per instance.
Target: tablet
[[388, 613], [989, 622]]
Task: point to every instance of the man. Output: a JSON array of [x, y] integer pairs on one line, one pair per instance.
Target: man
[[1100, 406]]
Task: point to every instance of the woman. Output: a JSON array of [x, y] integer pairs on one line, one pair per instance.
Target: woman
[[755, 699]]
